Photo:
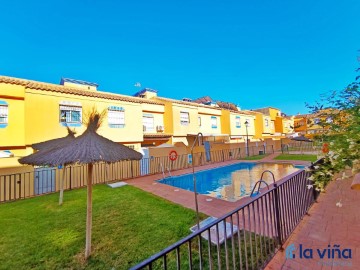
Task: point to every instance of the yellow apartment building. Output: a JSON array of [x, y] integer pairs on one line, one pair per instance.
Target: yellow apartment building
[[312, 124], [275, 116], [185, 119], [263, 125], [239, 125], [33, 112], [154, 129], [236, 124], [280, 124], [288, 125], [301, 123]]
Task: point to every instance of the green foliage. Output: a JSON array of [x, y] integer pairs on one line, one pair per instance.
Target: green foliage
[[321, 174], [256, 157], [303, 157], [129, 225], [340, 117]]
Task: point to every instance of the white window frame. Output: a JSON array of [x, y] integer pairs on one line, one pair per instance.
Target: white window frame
[[4, 114], [266, 122], [69, 110], [238, 121], [116, 117], [214, 122], [329, 119], [184, 118], [148, 122]]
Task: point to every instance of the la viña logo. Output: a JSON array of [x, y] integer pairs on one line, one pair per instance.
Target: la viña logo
[[331, 252]]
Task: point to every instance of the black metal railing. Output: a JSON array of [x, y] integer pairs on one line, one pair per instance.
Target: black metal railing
[[47, 180], [246, 238]]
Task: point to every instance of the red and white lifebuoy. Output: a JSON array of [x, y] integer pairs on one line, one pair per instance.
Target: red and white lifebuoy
[[173, 155], [325, 148]]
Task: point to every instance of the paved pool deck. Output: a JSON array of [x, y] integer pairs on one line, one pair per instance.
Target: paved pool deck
[[326, 224], [214, 207]]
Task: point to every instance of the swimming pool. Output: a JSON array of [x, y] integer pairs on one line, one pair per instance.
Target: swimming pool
[[231, 182]]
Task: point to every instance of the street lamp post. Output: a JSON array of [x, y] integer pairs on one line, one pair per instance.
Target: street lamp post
[[197, 139], [247, 138]]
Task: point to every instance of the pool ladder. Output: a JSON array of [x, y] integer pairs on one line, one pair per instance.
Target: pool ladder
[[258, 184], [163, 171]]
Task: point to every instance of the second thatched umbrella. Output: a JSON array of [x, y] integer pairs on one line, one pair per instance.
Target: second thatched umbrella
[[301, 139], [88, 148], [53, 144]]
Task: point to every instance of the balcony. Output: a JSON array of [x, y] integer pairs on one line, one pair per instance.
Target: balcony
[[160, 129]]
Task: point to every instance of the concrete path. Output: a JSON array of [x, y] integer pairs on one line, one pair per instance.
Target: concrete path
[[326, 226]]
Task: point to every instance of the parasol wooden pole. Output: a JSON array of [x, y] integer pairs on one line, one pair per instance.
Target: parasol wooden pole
[[89, 212]]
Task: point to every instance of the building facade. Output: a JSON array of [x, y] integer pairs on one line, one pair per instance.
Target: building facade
[[33, 112]]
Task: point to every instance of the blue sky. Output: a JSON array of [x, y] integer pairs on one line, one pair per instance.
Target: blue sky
[[252, 53]]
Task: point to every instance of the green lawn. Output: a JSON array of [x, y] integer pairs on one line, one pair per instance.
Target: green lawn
[[311, 158], [256, 157], [129, 225]]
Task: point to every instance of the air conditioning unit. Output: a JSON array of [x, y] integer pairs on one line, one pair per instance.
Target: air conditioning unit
[[159, 128]]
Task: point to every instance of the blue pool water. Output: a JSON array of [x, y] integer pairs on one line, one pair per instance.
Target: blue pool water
[[231, 182]]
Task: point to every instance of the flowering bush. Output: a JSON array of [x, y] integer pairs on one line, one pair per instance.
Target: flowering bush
[[321, 174], [340, 120]]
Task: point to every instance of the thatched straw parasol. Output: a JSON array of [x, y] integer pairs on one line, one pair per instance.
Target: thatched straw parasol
[[301, 138], [54, 143], [88, 148]]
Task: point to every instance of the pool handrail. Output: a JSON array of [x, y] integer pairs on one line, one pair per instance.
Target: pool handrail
[[170, 175], [162, 169], [258, 190], [274, 196], [272, 174]]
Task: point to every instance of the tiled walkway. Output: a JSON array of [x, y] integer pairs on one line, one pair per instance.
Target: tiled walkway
[[326, 225]]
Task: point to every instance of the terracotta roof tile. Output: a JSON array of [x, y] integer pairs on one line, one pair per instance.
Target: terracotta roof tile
[[203, 100], [73, 90], [227, 105], [11, 80]]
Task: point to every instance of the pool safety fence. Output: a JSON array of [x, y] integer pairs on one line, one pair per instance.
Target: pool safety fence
[[45, 180], [254, 232]]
